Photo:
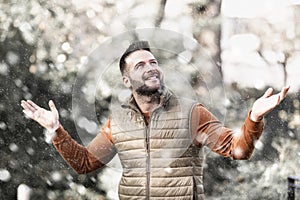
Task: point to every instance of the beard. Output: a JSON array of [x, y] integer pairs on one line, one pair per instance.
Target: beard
[[145, 90]]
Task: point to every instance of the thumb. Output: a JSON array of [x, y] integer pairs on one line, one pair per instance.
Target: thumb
[[54, 111], [52, 107], [278, 100], [268, 92]]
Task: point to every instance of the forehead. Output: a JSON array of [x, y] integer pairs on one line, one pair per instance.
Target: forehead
[[139, 56]]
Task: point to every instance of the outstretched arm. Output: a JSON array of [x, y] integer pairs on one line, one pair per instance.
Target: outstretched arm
[[81, 159], [85, 159], [209, 131]]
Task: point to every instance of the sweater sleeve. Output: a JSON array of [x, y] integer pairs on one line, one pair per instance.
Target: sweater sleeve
[[85, 159], [208, 130]]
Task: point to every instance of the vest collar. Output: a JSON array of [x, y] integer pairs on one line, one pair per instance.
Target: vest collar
[[164, 101]]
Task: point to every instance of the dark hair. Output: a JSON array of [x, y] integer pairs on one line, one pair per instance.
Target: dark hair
[[135, 46]]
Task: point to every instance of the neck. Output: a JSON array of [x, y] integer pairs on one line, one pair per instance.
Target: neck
[[147, 103]]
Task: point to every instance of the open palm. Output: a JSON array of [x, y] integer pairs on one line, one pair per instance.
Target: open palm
[[267, 102], [49, 119]]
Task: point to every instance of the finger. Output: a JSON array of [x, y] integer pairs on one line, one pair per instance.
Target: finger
[[278, 99], [28, 113], [33, 104], [52, 107], [23, 104], [27, 106], [283, 92], [268, 93]]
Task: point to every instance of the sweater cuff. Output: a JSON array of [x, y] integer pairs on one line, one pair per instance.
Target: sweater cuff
[[60, 135], [255, 128]]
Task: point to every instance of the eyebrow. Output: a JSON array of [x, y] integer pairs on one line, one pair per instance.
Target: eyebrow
[[150, 60]]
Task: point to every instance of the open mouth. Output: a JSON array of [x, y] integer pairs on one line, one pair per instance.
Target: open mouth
[[154, 76]]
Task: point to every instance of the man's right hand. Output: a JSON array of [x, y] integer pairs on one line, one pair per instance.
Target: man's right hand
[[49, 119]]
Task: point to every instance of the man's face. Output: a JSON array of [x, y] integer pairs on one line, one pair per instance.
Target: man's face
[[142, 73]]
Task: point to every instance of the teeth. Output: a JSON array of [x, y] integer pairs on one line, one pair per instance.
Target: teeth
[[152, 78]]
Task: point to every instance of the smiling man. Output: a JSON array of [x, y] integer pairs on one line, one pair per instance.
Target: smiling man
[[158, 136], [142, 75]]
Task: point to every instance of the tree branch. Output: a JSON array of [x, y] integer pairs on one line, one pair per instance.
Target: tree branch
[[161, 13]]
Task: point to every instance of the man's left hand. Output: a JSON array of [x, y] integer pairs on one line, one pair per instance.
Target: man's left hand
[[266, 103]]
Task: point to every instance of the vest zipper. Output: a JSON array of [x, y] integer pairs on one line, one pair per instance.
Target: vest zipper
[[147, 145]]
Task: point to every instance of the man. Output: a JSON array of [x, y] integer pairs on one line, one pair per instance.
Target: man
[[157, 135]]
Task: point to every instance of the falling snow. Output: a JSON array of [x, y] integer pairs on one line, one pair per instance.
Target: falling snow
[[44, 52]]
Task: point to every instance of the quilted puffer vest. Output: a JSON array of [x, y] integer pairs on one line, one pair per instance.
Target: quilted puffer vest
[[159, 160]]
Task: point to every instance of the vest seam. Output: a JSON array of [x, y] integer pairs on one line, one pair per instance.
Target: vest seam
[[188, 186], [157, 196], [162, 128], [161, 177], [152, 139]]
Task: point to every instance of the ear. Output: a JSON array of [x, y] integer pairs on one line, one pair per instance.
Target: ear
[[126, 81]]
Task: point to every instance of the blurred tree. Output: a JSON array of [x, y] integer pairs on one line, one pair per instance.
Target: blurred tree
[[207, 28], [34, 65], [43, 44]]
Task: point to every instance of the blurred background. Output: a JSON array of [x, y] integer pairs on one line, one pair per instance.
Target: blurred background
[[47, 46]]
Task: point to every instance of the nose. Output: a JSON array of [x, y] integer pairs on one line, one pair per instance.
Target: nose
[[151, 66]]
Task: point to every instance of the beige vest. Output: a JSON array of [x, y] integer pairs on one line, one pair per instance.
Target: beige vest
[[159, 160]]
